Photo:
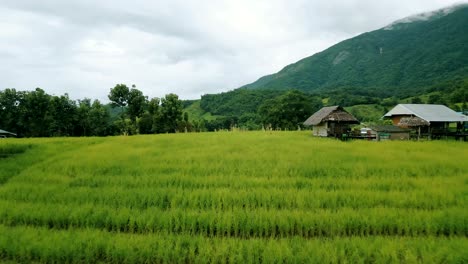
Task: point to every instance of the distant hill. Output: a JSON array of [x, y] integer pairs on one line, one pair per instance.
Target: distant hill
[[401, 59]]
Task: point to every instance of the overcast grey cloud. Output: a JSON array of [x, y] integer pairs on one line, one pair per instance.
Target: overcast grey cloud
[[190, 47]]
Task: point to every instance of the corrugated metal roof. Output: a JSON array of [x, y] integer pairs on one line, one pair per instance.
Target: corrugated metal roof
[[428, 112], [6, 132]]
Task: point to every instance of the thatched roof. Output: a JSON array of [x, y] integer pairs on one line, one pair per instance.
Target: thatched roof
[[412, 121], [331, 113]]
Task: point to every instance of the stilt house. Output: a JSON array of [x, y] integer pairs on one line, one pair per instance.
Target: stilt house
[[331, 121], [428, 119]]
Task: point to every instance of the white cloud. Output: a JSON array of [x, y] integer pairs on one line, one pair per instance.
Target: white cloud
[[188, 47], [423, 16]]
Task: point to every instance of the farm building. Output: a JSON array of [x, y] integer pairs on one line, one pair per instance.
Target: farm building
[[389, 132], [4, 134], [331, 121], [426, 119]]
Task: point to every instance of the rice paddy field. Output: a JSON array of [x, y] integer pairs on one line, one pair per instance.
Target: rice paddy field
[[232, 197]]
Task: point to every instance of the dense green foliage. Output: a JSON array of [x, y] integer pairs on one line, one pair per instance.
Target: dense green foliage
[[233, 197], [402, 61], [235, 103], [38, 114], [289, 110], [367, 113], [233, 108], [254, 109]]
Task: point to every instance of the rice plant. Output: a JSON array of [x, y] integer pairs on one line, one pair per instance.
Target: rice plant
[[242, 197]]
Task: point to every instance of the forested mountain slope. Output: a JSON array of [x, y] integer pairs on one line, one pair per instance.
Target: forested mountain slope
[[401, 59]]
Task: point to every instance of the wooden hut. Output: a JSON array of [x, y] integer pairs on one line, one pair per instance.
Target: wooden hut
[[331, 121]]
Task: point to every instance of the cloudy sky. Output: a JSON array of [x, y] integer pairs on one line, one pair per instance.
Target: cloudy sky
[[187, 47]]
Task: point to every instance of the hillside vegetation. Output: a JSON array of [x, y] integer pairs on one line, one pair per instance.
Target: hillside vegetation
[[400, 60], [237, 197]]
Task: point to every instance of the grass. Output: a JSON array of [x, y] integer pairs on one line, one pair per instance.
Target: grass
[[243, 197], [196, 113], [368, 112]]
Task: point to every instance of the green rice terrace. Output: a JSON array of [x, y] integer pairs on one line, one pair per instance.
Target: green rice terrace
[[233, 197]]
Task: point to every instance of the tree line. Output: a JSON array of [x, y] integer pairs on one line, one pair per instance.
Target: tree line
[[38, 114], [257, 109]]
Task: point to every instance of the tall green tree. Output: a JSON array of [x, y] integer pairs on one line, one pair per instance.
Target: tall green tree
[[62, 116], [145, 123], [289, 110], [83, 115], [119, 96], [416, 100], [36, 107], [99, 119], [184, 124], [137, 103], [436, 98], [153, 106], [153, 117], [170, 113]]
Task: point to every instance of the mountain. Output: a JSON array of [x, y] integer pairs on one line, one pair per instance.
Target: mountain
[[401, 59], [418, 59]]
